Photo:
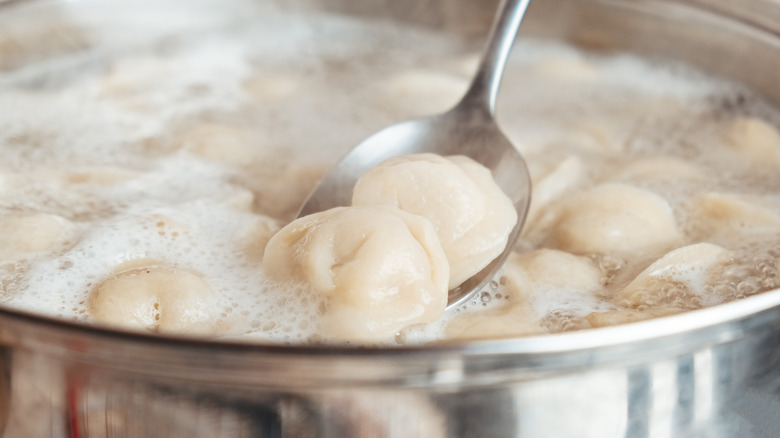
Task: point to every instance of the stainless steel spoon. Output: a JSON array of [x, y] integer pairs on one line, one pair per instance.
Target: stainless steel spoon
[[467, 129]]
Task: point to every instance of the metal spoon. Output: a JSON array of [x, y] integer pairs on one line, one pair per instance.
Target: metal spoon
[[467, 129]]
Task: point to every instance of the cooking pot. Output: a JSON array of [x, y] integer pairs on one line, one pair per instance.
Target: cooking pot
[[675, 376]]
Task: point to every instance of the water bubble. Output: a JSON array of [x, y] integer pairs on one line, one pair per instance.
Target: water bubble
[[724, 290], [748, 287]]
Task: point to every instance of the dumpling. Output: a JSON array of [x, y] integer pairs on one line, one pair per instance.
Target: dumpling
[[514, 318], [26, 233], [756, 139], [565, 176], [503, 322], [559, 269], [256, 235], [155, 298], [378, 270], [281, 190], [614, 219], [471, 215], [727, 216], [677, 279], [563, 288]]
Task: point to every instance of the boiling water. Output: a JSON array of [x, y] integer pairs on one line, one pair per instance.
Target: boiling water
[[188, 144]]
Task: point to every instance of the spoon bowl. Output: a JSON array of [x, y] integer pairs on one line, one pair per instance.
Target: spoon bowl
[[467, 129]]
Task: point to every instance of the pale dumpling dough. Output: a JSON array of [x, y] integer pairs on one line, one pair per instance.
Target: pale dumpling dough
[[281, 190], [558, 269], [256, 235], [501, 322], [755, 138], [549, 187], [675, 279], [516, 318], [378, 269], [727, 217], [615, 219], [155, 298], [26, 233], [471, 215]]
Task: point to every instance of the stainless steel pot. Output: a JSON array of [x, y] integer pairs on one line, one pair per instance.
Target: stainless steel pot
[[670, 377]]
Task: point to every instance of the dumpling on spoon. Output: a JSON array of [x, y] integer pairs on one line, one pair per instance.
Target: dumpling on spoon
[[471, 215]]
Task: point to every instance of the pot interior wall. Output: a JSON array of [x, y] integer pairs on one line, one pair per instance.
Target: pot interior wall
[[735, 40]]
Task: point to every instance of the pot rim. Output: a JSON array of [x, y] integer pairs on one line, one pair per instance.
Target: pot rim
[[720, 315]]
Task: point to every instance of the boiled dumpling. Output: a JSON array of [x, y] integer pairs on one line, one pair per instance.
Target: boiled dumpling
[[501, 322], [614, 219], [26, 233], [514, 318], [280, 191], [676, 279], [239, 199], [559, 269], [755, 138], [471, 215], [726, 216], [155, 298], [545, 189], [378, 270], [256, 236]]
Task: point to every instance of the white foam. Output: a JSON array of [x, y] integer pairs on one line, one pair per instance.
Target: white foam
[[548, 300]]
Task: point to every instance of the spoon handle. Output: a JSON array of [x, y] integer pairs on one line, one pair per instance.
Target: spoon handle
[[484, 87]]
